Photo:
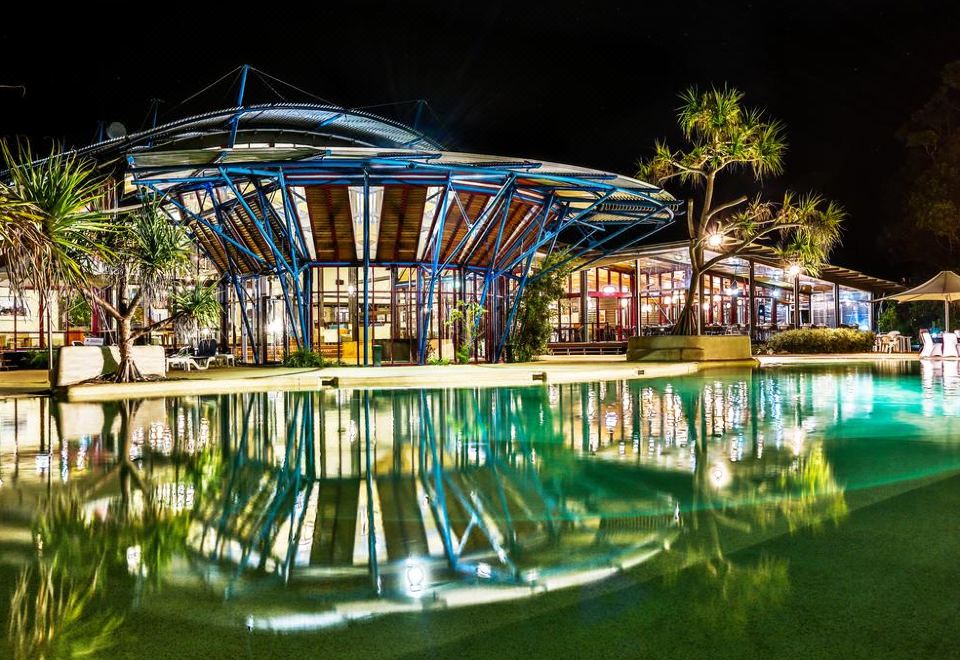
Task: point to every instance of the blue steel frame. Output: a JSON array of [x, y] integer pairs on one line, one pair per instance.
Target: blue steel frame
[[566, 209]]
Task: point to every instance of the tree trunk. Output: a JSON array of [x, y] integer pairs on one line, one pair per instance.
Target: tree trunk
[[688, 322], [127, 371]]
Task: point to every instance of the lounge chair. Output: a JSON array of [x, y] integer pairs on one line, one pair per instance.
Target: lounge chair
[[206, 353], [929, 349], [181, 359], [186, 360], [950, 345]]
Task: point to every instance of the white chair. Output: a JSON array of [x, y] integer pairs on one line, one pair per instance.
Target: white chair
[[885, 343], [930, 349], [950, 345]]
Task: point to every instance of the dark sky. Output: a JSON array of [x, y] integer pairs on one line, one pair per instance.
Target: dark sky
[[588, 83]]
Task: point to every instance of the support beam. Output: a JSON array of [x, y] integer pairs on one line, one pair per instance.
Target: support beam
[[366, 268], [836, 306], [796, 301]]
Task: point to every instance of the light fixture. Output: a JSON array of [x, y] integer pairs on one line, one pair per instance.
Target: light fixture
[[719, 475], [609, 290], [733, 291], [793, 270], [715, 239], [416, 575], [706, 305]]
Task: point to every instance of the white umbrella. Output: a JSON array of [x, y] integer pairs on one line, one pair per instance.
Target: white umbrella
[[944, 286]]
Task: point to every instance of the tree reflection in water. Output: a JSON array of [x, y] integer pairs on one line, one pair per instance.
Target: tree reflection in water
[[422, 497]]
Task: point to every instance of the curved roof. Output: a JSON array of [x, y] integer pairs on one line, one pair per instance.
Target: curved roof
[[300, 123], [272, 186]]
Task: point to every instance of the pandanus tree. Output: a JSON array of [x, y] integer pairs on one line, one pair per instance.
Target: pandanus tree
[[143, 260], [56, 236], [51, 224], [723, 138]]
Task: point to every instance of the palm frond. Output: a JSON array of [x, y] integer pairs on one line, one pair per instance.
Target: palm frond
[[53, 210]]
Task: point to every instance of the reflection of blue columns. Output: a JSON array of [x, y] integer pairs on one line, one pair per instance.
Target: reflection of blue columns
[[438, 500], [371, 522]]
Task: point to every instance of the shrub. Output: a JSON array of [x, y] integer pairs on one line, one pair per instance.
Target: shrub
[[36, 359], [305, 358], [822, 340], [533, 325], [467, 315], [908, 318]]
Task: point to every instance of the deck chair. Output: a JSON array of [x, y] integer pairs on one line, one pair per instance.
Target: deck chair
[[181, 359], [950, 345], [930, 349]]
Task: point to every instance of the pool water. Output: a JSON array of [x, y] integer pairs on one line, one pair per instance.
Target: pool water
[[260, 523]]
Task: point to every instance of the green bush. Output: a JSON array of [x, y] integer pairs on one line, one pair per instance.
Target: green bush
[[534, 324], [37, 359], [908, 318], [822, 340], [304, 358]]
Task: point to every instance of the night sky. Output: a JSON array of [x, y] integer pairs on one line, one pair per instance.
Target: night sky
[[587, 83]]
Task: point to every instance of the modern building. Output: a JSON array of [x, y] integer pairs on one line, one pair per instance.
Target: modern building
[[341, 231], [641, 290]]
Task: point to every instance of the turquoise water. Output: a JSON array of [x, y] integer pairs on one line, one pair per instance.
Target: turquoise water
[[305, 512]]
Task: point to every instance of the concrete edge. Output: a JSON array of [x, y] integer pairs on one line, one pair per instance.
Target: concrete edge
[[532, 374]]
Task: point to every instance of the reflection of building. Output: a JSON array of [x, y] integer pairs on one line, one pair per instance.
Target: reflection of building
[[642, 290], [348, 489]]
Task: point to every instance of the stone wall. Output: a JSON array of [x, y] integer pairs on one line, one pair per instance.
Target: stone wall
[[80, 363]]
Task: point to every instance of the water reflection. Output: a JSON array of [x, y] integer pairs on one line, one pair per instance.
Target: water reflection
[[305, 510]]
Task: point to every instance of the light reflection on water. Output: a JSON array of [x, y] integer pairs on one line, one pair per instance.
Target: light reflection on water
[[305, 510]]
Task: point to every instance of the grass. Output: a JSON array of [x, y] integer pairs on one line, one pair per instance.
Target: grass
[[881, 584]]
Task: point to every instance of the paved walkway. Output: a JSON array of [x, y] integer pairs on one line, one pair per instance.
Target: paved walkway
[[552, 369], [243, 379], [823, 358], [24, 382]]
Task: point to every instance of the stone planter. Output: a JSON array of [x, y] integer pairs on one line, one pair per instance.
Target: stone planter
[[704, 348], [79, 363]]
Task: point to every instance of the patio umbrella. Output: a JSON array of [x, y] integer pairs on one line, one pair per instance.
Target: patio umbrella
[[944, 286]]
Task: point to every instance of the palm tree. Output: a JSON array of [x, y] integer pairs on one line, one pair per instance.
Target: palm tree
[[55, 236], [149, 253], [51, 222], [725, 137]]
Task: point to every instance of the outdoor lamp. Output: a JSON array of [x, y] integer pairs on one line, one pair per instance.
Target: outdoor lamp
[[793, 270], [715, 239]]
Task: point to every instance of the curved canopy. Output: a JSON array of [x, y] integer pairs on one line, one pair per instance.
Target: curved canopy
[[273, 188], [945, 285]]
